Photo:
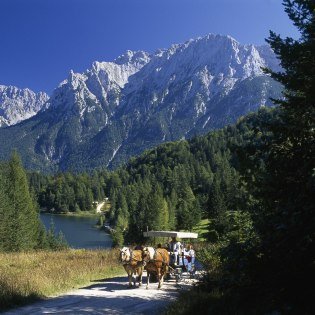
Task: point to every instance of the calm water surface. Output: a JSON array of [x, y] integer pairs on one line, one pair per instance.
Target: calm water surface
[[78, 231]]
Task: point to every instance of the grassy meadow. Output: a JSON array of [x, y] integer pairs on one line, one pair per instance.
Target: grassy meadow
[[28, 276]]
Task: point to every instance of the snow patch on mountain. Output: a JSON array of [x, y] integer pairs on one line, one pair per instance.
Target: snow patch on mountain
[[113, 155]]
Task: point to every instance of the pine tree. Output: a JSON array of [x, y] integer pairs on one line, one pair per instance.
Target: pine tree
[[25, 217], [188, 212], [164, 215], [172, 203], [122, 213]]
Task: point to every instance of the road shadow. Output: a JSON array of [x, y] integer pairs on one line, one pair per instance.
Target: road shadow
[[120, 283], [111, 285]]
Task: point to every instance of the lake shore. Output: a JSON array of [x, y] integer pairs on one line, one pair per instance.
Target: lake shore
[[91, 213], [78, 231]]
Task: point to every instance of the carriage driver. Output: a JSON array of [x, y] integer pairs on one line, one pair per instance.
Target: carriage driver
[[176, 248]]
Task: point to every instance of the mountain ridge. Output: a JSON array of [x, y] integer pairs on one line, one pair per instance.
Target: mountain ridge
[[117, 109]]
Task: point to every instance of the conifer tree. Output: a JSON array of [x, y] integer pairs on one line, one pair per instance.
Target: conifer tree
[[25, 218], [188, 212], [172, 202]]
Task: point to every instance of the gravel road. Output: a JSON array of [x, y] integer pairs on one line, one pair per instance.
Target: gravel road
[[109, 296]]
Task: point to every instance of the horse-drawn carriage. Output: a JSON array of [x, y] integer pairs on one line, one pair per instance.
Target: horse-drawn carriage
[[181, 259], [160, 261]]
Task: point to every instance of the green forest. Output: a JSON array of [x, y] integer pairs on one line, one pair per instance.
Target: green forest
[[67, 192], [170, 187], [254, 181]]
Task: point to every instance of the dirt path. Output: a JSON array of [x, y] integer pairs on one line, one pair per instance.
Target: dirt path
[[109, 296]]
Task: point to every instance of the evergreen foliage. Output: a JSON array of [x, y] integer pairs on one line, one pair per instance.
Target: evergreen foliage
[[176, 184], [21, 219], [170, 187], [66, 192]]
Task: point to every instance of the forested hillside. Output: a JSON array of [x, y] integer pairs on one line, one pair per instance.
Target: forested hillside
[[177, 184], [170, 187]]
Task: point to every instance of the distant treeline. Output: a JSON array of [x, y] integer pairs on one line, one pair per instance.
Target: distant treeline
[[66, 192]]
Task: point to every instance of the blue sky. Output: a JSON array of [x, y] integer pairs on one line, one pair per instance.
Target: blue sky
[[41, 40]]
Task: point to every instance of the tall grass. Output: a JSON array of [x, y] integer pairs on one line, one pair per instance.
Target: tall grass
[[28, 276]]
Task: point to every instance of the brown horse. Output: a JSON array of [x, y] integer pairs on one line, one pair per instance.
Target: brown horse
[[133, 264], [156, 262]]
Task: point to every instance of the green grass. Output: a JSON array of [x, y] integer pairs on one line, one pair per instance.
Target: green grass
[[28, 276]]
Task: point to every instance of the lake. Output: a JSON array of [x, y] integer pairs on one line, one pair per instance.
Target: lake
[[78, 231]]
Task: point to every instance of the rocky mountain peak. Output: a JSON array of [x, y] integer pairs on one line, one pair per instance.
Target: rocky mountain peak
[[100, 85], [139, 58], [19, 104]]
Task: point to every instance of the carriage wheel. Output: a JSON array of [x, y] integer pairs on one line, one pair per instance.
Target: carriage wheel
[[178, 274]]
